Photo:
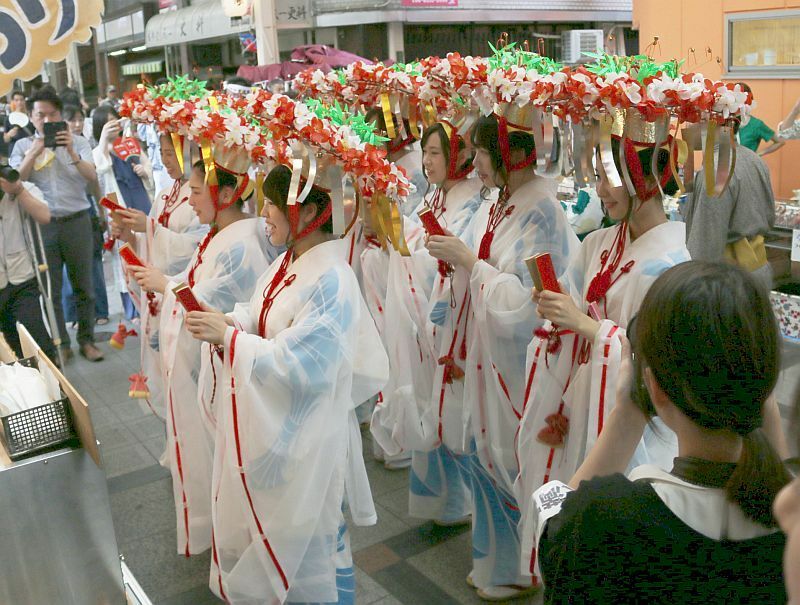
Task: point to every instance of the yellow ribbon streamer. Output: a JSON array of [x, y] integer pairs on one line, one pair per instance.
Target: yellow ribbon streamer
[[176, 143], [387, 116]]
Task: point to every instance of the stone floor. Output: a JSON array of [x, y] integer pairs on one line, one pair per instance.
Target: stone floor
[[400, 560]]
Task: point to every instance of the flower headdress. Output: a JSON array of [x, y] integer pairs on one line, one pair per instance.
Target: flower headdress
[[569, 109], [271, 126]]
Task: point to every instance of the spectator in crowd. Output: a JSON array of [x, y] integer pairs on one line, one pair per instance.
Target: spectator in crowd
[[71, 97], [149, 135], [75, 118], [706, 357], [19, 290], [732, 226], [111, 98], [132, 178], [787, 512], [13, 132], [755, 131], [789, 128], [62, 173]]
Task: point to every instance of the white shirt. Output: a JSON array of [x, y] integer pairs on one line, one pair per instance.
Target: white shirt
[[15, 262]]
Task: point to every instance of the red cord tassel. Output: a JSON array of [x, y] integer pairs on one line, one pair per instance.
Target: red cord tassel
[[117, 339], [557, 428], [138, 388]]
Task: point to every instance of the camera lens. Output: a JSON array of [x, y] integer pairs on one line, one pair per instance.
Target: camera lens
[[9, 174]]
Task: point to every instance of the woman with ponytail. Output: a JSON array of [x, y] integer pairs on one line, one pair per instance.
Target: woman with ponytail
[[483, 324], [705, 360], [222, 271], [436, 488], [290, 364]]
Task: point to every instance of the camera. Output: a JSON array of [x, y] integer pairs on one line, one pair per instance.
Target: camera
[[8, 173], [51, 130]]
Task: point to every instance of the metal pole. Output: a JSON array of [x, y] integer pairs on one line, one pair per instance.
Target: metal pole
[[39, 259]]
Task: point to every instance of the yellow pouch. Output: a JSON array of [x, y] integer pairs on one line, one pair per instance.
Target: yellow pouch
[[749, 254], [47, 156]]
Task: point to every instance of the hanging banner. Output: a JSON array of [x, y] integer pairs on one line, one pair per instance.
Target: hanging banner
[[35, 31]]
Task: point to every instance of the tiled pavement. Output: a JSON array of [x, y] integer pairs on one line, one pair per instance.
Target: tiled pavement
[[400, 560]]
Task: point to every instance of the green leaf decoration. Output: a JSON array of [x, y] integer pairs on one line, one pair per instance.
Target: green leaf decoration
[[181, 88], [640, 67], [341, 116], [511, 55]]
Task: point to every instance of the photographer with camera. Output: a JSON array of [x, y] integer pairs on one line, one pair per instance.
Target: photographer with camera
[[19, 292], [60, 165]]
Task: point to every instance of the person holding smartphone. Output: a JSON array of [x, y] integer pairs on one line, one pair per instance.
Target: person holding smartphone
[[62, 173]]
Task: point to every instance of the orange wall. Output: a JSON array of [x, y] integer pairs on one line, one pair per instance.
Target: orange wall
[[682, 24]]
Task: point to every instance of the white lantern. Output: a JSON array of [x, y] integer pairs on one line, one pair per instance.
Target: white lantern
[[236, 8]]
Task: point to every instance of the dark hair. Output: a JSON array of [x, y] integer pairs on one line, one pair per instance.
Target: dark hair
[[70, 111], [224, 178], [15, 93], [486, 135], [47, 94], [100, 117], [375, 115], [276, 189], [161, 81], [445, 142], [708, 334], [238, 80], [70, 96]]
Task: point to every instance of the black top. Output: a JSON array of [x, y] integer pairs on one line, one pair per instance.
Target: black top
[[27, 131], [615, 541]]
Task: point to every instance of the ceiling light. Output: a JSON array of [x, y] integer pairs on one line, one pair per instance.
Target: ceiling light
[[138, 49], [117, 53]]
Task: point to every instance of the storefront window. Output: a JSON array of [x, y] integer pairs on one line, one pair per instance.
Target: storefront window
[[763, 43]]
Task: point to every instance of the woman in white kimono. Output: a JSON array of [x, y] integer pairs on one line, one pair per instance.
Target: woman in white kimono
[[288, 446], [166, 239], [374, 260], [436, 488], [223, 271], [572, 368], [479, 381]]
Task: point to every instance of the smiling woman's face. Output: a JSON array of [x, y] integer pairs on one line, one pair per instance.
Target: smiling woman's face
[[200, 198], [615, 199], [278, 227]]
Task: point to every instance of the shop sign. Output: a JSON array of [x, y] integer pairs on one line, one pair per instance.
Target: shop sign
[[429, 3], [293, 13], [36, 31]]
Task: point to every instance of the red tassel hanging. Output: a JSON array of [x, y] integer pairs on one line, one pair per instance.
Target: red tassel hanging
[[138, 388], [117, 339], [452, 371], [557, 428]]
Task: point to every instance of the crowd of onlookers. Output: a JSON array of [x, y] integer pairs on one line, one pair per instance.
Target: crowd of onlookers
[[70, 174], [91, 158]]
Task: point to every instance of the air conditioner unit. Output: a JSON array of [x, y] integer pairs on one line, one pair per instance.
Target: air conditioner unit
[[578, 41]]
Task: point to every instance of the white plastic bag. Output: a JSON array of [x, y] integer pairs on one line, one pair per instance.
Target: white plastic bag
[[21, 388]]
